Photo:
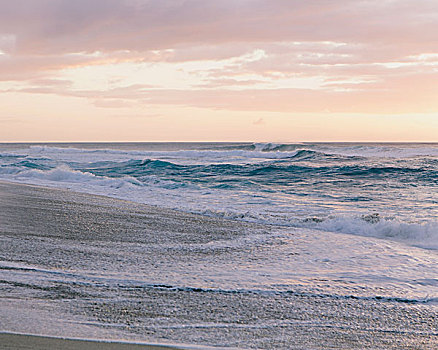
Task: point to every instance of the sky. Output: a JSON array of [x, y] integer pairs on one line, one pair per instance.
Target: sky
[[219, 70]]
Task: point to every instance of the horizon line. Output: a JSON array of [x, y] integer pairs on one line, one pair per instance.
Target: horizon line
[[215, 141]]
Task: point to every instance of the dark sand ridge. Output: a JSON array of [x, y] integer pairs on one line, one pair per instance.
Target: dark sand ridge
[[29, 342]]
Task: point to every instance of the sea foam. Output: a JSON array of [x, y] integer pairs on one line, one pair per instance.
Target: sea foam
[[327, 187]]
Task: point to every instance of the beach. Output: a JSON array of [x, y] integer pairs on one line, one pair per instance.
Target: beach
[[247, 175], [91, 267], [21, 341]]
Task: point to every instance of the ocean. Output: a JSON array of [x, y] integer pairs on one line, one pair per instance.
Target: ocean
[[245, 245]]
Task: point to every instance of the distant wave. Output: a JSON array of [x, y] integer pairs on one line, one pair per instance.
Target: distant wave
[[353, 150], [194, 155], [266, 150]]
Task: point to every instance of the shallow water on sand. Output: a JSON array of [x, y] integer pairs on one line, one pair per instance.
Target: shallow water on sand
[[72, 264]]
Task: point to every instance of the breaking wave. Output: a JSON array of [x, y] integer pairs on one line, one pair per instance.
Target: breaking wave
[[423, 235], [330, 187], [354, 150]]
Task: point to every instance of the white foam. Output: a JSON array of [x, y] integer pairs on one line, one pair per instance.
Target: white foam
[[63, 176], [174, 195], [261, 151], [354, 150], [266, 146], [180, 156], [379, 151], [235, 205], [423, 235]]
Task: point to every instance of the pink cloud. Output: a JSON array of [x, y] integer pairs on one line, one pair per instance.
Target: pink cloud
[[111, 103], [348, 44], [400, 95], [54, 26]]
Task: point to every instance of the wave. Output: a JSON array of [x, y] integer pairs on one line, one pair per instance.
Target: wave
[[65, 175], [276, 171], [184, 197], [128, 283], [269, 147], [354, 150], [380, 150], [380, 298], [423, 235], [262, 150], [281, 147], [276, 186], [292, 166], [199, 156]]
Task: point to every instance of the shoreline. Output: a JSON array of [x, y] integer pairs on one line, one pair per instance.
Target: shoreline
[[18, 341], [56, 219], [93, 272]]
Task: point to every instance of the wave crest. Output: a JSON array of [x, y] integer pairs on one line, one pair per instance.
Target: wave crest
[[64, 174], [424, 235]]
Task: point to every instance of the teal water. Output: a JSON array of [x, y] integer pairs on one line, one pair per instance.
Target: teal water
[[381, 190]]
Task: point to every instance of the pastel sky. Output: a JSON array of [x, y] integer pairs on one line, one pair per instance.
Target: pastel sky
[[218, 70]]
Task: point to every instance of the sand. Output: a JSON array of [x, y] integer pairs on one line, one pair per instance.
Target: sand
[[67, 260], [22, 341]]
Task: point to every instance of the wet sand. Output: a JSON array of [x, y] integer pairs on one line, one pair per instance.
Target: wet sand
[[62, 253], [9, 341]]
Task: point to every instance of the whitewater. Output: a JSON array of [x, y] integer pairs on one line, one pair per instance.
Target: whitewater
[[389, 191]]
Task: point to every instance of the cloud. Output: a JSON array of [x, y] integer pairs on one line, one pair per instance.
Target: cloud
[[378, 98], [215, 83], [360, 56], [7, 43], [111, 103], [61, 26], [11, 120], [51, 82], [136, 116]]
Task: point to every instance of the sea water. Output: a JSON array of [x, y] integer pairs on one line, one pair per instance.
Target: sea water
[[327, 222], [388, 191]]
